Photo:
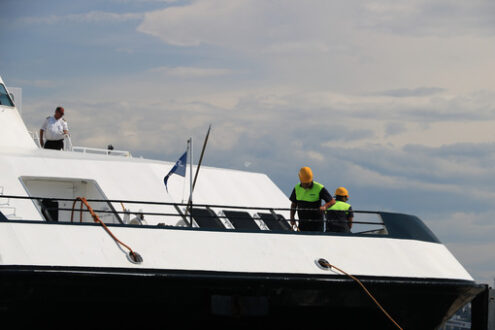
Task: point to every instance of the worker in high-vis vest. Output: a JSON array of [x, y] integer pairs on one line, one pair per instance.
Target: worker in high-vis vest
[[306, 198], [339, 216]]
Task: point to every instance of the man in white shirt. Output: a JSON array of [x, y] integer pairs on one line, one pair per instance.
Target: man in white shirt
[[54, 129]]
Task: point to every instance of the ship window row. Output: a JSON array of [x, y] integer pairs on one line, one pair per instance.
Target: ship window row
[[206, 217], [235, 219]]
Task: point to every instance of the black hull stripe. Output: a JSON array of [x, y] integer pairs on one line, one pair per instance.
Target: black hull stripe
[[192, 274], [223, 299]]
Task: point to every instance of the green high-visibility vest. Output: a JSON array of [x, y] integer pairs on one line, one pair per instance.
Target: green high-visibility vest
[[308, 195], [340, 206]]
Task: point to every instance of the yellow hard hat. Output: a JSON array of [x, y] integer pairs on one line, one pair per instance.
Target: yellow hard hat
[[305, 175], [341, 191]]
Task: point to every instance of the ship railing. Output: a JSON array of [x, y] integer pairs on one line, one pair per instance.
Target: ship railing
[[68, 146], [109, 151], [224, 217], [101, 151], [209, 216]]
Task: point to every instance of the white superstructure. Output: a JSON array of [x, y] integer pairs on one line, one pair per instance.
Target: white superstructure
[[29, 171]]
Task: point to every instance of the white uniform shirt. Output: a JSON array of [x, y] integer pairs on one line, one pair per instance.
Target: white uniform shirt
[[54, 129]]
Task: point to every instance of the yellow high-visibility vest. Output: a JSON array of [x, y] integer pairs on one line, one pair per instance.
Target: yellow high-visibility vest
[[308, 195], [340, 206]]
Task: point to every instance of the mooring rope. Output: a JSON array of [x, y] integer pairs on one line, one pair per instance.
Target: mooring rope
[[325, 263], [96, 219]]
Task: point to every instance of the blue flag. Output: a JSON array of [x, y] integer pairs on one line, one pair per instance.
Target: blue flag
[[179, 169]]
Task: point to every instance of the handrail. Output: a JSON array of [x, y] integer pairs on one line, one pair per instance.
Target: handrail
[[107, 152], [271, 210], [390, 224], [216, 216], [178, 204], [268, 209]]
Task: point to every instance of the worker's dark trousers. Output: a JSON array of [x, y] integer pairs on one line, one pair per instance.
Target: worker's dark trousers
[[311, 225], [338, 228], [54, 144]]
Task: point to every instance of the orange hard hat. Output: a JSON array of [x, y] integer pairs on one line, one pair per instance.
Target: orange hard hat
[[341, 191], [305, 175]]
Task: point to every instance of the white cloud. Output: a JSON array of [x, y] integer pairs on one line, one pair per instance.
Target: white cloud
[[146, 1], [350, 47], [416, 92], [191, 72], [216, 22], [89, 17], [469, 236], [477, 258], [420, 17], [42, 83]]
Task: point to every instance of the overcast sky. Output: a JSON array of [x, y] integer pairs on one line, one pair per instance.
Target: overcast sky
[[395, 100]]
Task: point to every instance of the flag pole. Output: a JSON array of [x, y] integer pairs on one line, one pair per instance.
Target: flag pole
[[201, 157], [192, 183], [190, 149]]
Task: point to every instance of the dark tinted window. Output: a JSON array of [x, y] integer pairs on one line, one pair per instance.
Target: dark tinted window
[[241, 220], [206, 218], [274, 222], [408, 227], [4, 97]]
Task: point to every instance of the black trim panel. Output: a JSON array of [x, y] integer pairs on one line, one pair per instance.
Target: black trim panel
[[129, 297], [193, 274]]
